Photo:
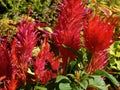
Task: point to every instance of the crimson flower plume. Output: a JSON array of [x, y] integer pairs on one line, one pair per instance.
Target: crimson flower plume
[[68, 27], [98, 62], [98, 35], [27, 38], [6, 72], [46, 64], [22, 47], [5, 67]]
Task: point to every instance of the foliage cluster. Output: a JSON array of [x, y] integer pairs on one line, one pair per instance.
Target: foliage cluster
[[60, 45]]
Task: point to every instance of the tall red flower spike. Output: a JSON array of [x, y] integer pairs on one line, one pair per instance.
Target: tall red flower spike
[[5, 67], [98, 62], [6, 70], [22, 46], [98, 35], [68, 27], [45, 60], [98, 38], [19, 66], [27, 38]]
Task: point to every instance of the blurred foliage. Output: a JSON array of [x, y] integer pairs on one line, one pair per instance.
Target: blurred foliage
[[114, 61], [6, 29], [43, 10], [14, 10]]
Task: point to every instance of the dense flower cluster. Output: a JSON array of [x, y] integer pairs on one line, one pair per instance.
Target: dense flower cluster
[[27, 38], [5, 60], [6, 74], [45, 59], [98, 37], [18, 65], [68, 27], [16, 59], [22, 47]]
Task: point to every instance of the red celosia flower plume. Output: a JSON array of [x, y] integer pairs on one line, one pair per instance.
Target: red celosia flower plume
[[27, 38], [19, 66], [98, 62], [16, 60], [5, 67], [98, 35], [45, 64], [6, 70], [22, 46], [67, 30]]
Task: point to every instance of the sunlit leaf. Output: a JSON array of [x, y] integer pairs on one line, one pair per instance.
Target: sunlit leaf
[[65, 86], [59, 78], [107, 75], [97, 82]]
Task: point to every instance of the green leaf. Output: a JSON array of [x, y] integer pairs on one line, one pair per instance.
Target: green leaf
[[71, 76], [118, 65], [78, 88], [35, 51], [97, 82], [73, 64], [48, 29], [78, 54], [84, 84], [107, 75], [72, 50], [40, 88], [30, 72], [59, 78], [65, 86], [3, 3]]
